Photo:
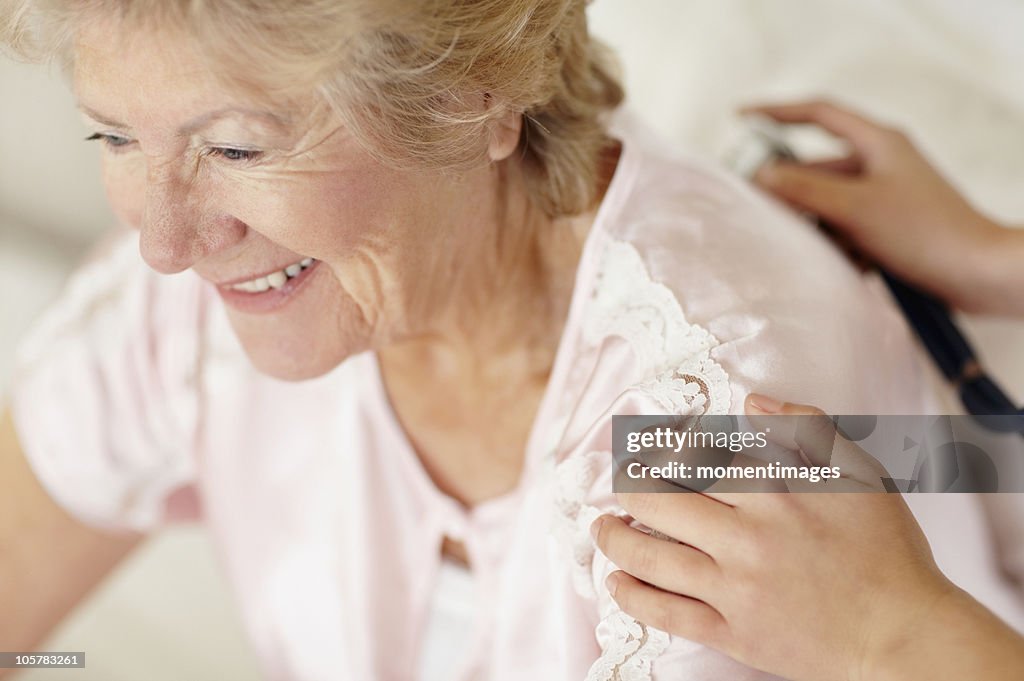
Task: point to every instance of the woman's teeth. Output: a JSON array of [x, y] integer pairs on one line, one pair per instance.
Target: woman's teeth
[[274, 280]]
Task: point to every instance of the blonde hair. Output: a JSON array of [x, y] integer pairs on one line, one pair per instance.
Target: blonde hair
[[416, 80]]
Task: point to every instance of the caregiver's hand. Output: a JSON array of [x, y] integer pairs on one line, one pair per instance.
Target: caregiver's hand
[[815, 587], [894, 207]]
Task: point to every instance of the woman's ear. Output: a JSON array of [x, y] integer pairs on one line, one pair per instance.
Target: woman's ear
[[505, 132]]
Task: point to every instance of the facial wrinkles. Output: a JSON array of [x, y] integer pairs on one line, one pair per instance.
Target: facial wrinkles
[[366, 259], [215, 190], [398, 265], [368, 281], [304, 163]]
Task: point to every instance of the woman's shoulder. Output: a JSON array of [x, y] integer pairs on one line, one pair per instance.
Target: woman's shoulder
[[693, 221], [103, 388], [702, 275]]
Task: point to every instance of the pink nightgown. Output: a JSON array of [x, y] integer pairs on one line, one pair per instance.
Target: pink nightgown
[[136, 407]]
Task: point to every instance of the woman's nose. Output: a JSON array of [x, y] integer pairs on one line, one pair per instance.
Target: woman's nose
[[179, 228]]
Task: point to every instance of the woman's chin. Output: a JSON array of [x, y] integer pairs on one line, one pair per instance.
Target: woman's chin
[[291, 356], [273, 364], [304, 339]]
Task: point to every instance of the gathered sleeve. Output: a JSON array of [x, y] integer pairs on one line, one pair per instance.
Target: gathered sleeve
[[105, 395]]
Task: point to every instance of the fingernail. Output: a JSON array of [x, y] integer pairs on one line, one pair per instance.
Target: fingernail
[[612, 583], [765, 404], [595, 527]]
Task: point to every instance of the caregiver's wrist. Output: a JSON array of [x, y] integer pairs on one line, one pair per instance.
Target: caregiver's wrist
[[954, 637], [907, 627], [1001, 271], [984, 264]]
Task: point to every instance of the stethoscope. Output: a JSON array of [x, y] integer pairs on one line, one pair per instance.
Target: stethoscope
[[930, 318]]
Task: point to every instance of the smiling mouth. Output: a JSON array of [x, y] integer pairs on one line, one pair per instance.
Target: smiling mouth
[[274, 280]]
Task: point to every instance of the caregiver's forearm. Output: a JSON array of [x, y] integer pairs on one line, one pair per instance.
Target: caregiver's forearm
[[998, 273]]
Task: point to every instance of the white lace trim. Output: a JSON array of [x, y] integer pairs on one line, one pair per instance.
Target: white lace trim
[[635, 649], [574, 477], [627, 303]]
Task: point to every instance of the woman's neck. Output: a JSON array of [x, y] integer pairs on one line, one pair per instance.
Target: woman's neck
[[504, 301], [467, 392]]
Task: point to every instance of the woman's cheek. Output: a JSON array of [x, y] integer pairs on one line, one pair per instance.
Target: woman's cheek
[[125, 184], [322, 217]]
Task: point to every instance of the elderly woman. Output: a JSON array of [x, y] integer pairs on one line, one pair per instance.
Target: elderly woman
[[394, 266]]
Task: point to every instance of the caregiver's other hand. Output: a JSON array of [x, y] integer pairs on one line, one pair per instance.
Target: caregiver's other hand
[[891, 204], [817, 587]]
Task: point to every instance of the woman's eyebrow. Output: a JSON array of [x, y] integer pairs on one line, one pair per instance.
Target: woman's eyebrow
[[100, 118], [196, 123]]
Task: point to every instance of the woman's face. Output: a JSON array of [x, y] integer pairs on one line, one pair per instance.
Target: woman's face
[[318, 250]]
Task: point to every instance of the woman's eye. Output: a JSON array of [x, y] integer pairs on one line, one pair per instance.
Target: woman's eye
[[235, 154], [115, 143]]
